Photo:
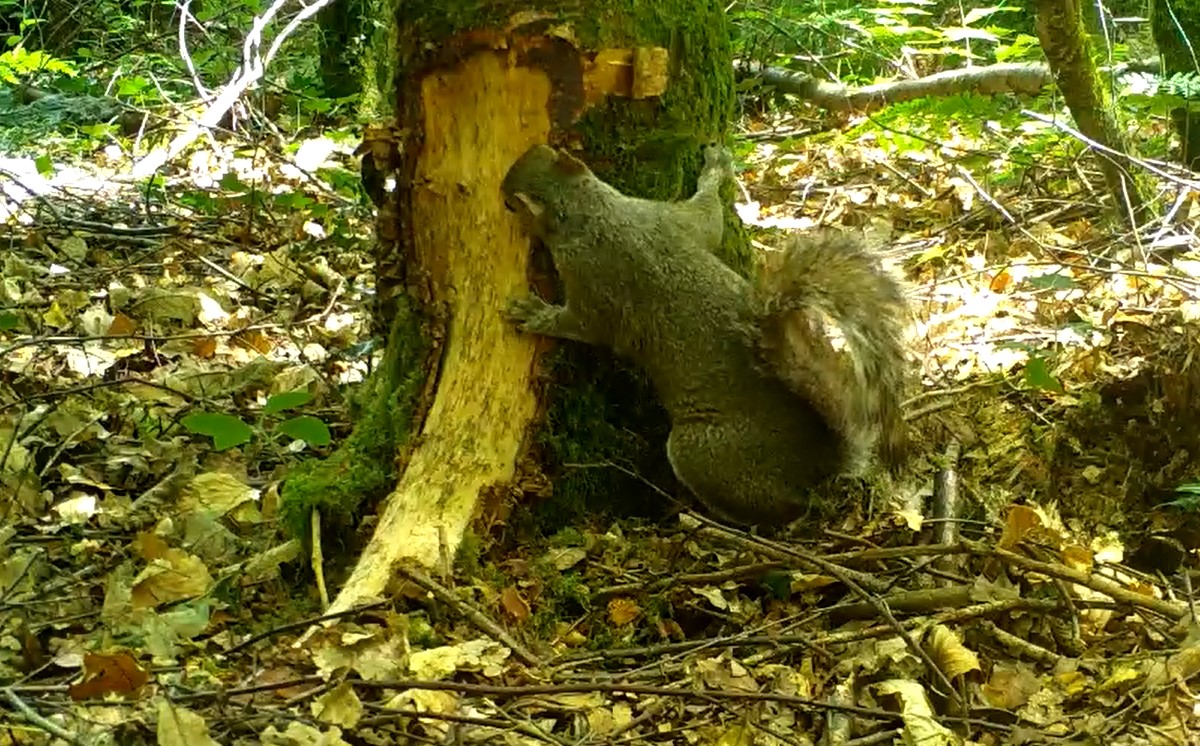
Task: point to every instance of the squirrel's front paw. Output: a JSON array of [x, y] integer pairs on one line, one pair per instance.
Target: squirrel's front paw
[[716, 156], [533, 315], [524, 312]]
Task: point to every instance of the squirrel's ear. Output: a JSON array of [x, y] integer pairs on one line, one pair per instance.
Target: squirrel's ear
[[571, 165]]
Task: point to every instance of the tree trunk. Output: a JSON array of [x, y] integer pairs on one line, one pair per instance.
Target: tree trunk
[[636, 88], [1067, 50], [1176, 30]]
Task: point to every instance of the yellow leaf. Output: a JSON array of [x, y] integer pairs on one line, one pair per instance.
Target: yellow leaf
[[948, 651], [1077, 557], [1119, 676], [1185, 664], [912, 519], [174, 577], [54, 317], [339, 706], [1010, 688], [217, 493], [181, 727], [1072, 682], [738, 735], [919, 723], [622, 611], [1020, 520]]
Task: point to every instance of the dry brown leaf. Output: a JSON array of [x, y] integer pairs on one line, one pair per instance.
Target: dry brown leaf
[[513, 604], [669, 629], [1030, 521], [205, 347], [122, 325], [1000, 282], [275, 675], [117, 673], [1020, 520], [254, 340]]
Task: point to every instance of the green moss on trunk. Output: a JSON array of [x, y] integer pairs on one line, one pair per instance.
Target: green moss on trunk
[[364, 467], [1068, 50]]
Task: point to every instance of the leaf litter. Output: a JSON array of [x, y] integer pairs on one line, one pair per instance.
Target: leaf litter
[[150, 598]]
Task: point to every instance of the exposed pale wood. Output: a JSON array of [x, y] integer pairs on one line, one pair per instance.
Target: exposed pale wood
[[479, 117]]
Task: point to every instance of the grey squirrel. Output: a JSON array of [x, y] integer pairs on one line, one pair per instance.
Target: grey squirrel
[[763, 404]]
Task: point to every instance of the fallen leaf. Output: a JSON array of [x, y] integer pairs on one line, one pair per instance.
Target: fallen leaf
[[174, 577], [622, 611], [122, 325], [217, 493], [117, 673], [920, 727], [339, 706], [564, 558], [178, 726], [949, 652], [205, 347], [513, 604]]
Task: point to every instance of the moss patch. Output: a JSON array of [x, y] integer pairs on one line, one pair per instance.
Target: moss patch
[[363, 468]]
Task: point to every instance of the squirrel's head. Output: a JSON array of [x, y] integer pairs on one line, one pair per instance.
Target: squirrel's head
[[538, 178]]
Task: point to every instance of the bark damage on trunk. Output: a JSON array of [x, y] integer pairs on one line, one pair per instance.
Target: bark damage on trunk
[[465, 112]]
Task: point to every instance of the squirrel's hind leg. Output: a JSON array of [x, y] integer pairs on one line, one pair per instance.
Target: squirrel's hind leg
[[728, 477]]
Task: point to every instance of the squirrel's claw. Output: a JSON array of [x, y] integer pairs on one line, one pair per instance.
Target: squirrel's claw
[[716, 156], [522, 310]]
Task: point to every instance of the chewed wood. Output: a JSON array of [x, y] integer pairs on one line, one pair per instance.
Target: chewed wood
[[479, 117]]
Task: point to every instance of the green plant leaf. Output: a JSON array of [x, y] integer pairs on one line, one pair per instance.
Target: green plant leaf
[[1052, 281], [226, 430], [1188, 500], [132, 86], [292, 201], [307, 428], [779, 583], [975, 14], [231, 183], [8, 320], [1037, 375], [287, 400]]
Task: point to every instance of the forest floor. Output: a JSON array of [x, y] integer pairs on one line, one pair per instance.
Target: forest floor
[[165, 357]]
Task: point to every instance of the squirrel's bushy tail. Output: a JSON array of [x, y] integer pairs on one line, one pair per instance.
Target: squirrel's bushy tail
[[830, 324]]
